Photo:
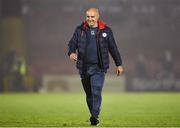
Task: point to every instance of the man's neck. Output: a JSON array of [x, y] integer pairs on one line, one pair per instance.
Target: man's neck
[[94, 26]]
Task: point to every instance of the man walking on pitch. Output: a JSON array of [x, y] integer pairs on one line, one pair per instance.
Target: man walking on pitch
[[89, 46]]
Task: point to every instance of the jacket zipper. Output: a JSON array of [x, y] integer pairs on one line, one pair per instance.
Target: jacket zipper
[[99, 51]]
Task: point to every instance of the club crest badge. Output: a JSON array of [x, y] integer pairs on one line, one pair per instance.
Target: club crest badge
[[92, 33], [104, 34]]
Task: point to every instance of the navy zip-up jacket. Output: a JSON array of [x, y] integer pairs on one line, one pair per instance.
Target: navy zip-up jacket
[[105, 44]]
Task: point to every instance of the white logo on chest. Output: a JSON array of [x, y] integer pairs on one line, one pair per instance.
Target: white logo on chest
[[92, 33], [104, 34]]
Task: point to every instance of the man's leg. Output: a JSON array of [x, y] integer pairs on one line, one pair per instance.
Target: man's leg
[[93, 81], [85, 79], [97, 81]]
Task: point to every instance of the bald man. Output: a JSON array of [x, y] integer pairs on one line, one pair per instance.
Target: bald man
[[89, 46]]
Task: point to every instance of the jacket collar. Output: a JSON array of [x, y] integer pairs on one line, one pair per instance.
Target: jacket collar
[[101, 24]]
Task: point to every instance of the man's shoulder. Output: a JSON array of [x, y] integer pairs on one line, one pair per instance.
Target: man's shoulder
[[78, 27], [108, 29]]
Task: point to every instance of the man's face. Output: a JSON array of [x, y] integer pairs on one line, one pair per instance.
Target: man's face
[[92, 17]]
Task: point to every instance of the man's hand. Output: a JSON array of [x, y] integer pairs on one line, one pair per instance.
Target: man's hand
[[119, 70], [73, 56]]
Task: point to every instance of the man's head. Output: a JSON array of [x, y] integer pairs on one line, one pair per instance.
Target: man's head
[[92, 16]]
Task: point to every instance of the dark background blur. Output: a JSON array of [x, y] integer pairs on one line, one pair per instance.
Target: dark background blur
[[34, 35]]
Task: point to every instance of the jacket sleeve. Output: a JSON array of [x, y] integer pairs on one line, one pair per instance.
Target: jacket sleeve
[[72, 45], [114, 50]]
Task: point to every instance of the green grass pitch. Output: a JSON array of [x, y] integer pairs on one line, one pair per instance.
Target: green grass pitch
[[70, 110]]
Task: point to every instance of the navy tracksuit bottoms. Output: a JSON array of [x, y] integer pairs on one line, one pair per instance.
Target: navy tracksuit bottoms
[[92, 79]]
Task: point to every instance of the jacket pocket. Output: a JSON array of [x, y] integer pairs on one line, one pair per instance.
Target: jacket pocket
[[79, 64]]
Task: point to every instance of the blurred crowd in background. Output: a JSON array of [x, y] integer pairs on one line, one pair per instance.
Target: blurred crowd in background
[[34, 35]]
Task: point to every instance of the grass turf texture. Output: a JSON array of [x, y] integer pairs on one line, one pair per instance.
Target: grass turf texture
[[70, 110]]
